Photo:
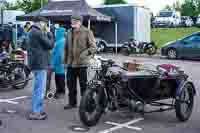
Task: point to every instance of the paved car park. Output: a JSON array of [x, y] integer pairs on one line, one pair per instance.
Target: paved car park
[[15, 106]]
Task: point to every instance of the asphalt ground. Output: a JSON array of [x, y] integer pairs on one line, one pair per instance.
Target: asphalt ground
[[14, 112]]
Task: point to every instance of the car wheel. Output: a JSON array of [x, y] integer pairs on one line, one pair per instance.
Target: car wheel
[[172, 54], [101, 47]]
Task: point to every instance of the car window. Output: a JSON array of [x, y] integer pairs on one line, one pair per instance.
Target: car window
[[165, 14], [193, 38]]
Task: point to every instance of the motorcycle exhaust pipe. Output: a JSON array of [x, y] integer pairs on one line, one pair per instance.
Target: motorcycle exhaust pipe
[[22, 81]]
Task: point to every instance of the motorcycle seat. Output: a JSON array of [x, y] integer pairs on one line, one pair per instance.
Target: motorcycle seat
[[168, 67]]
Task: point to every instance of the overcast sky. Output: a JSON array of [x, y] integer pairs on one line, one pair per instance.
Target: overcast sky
[[154, 5]]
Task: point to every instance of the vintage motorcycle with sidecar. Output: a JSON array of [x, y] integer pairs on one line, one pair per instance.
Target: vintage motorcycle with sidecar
[[114, 87]]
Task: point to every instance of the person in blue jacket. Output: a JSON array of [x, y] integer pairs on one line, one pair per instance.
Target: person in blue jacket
[[57, 61]]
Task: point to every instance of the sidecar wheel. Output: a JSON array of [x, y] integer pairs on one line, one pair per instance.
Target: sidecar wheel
[[184, 103], [90, 109]]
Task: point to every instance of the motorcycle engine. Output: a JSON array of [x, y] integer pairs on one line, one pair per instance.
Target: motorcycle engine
[[136, 106], [114, 73]]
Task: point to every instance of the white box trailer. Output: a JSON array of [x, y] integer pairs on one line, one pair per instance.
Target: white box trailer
[[10, 16], [130, 21]]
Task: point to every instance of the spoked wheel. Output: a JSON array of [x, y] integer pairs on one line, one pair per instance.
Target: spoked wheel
[[20, 77], [151, 51], [172, 54], [184, 104], [90, 109]]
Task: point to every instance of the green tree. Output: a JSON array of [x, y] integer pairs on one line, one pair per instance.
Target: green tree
[[177, 6], [7, 6], [189, 8], [167, 7], [109, 2], [30, 5], [198, 7]]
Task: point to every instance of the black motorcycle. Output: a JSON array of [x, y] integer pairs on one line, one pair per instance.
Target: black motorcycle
[[114, 88], [13, 74], [135, 47]]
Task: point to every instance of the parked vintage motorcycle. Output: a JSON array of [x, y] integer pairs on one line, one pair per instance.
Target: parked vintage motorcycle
[[135, 47], [114, 88], [13, 74]]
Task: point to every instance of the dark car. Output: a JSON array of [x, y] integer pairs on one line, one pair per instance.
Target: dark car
[[188, 47]]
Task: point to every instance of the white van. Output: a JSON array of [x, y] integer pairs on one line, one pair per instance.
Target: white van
[[168, 18]]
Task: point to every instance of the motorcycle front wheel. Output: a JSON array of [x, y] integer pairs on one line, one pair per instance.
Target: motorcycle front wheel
[[91, 109]]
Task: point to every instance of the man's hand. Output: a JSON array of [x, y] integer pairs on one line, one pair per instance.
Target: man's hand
[[48, 29]]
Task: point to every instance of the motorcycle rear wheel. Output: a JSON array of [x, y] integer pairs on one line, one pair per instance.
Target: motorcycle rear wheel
[[21, 76]]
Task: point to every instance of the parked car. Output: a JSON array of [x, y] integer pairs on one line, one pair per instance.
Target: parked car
[[198, 21], [186, 21], [187, 47], [167, 19]]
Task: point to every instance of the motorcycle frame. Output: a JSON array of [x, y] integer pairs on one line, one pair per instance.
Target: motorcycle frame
[[7, 70], [179, 90], [154, 102]]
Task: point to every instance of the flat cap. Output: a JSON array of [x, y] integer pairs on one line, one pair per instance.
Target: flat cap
[[77, 17]]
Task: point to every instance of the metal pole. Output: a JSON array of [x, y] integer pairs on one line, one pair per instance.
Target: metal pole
[[89, 23], [2, 15], [16, 34], [116, 36]]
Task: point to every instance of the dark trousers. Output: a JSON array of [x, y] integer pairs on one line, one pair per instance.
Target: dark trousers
[[72, 75], [60, 83], [48, 83]]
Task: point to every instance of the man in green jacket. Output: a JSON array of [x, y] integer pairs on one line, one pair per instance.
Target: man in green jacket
[[80, 47]]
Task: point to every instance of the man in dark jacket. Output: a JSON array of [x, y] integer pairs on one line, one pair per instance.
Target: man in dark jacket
[[38, 46]]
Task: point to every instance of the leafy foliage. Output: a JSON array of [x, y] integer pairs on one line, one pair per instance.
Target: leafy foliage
[[25, 5], [109, 2], [6, 5], [187, 8]]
